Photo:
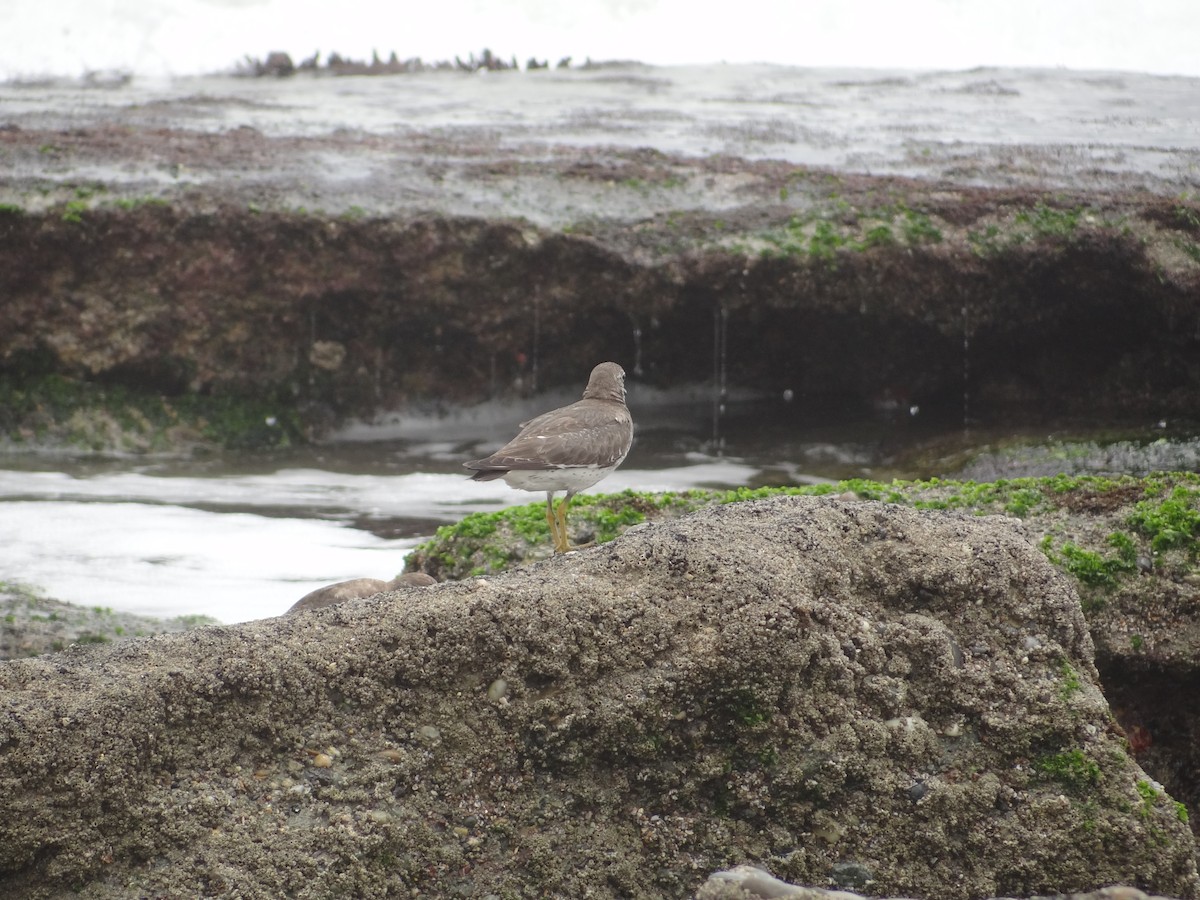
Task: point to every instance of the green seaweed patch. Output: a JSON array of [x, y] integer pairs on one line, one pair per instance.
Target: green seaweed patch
[[1046, 220], [54, 410], [1171, 522], [1151, 796], [491, 542], [1073, 769], [825, 234], [1040, 222], [21, 591], [89, 638], [196, 620], [485, 543], [73, 211], [1092, 568], [1071, 685]]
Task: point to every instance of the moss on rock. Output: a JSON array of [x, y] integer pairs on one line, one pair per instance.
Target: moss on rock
[[846, 692]]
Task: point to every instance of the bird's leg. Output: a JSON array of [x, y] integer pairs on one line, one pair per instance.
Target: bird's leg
[[551, 520], [563, 545]]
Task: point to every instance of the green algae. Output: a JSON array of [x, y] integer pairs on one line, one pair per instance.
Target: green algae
[[823, 234], [1073, 769], [51, 410], [1170, 522], [1091, 567], [1155, 515]]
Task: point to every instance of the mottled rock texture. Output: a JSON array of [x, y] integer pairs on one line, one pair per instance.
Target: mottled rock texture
[[847, 693]]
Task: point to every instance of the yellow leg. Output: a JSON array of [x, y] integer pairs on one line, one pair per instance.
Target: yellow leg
[[562, 545], [552, 521]]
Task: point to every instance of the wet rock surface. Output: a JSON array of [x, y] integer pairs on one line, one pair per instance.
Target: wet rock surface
[[345, 246], [32, 624], [853, 695]]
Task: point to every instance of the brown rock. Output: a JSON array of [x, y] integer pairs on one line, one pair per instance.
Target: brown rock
[[358, 588], [845, 693]]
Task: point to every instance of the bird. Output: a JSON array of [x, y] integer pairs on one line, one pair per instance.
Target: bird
[[567, 449]]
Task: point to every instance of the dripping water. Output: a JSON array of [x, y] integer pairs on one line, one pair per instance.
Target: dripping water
[[966, 369], [637, 349], [537, 341], [720, 375]]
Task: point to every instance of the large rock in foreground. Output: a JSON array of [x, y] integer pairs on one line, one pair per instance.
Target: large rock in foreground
[[852, 694]]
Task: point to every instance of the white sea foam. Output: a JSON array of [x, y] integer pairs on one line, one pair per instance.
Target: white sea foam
[[240, 547]]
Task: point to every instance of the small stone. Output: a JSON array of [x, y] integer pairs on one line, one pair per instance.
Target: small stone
[[851, 875], [322, 760], [1121, 892], [497, 689], [430, 733]]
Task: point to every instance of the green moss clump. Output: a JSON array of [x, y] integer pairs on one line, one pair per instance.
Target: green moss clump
[[1048, 221], [1092, 568], [490, 542], [1071, 684], [1173, 522], [1152, 796], [55, 410], [1073, 769], [918, 229]]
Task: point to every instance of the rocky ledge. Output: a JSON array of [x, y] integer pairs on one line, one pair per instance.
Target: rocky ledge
[[849, 694], [170, 281]]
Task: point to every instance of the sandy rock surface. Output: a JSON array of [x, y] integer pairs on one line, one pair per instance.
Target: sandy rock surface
[[31, 624], [852, 695]]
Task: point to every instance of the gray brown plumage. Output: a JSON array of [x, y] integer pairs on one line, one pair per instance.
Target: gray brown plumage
[[567, 449]]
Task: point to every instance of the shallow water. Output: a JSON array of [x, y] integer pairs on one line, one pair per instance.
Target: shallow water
[[244, 537]]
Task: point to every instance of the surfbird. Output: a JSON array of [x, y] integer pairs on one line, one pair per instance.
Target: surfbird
[[567, 449]]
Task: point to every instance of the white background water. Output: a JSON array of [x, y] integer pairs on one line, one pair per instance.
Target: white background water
[[241, 547], [242, 538], [188, 37]]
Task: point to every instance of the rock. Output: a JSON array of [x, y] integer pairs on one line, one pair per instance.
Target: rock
[[760, 681], [358, 588], [34, 624], [753, 883], [1144, 619]]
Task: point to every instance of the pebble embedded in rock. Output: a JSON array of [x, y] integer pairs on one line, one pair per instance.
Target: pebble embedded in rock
[[497, 689]]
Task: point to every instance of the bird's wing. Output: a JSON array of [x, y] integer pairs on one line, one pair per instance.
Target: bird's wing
[[576, 435]]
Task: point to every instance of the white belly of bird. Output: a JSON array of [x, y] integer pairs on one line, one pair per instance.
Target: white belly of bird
[[569, 478]]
